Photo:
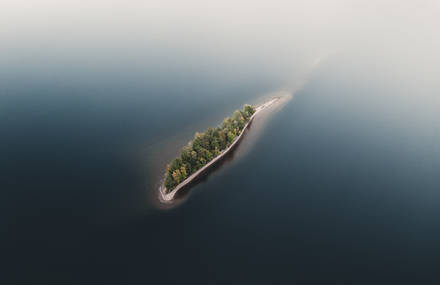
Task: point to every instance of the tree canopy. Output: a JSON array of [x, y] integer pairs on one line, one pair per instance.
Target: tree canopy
[[206, 146]]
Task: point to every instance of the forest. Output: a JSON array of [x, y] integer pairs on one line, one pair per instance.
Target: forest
[[206, 146]]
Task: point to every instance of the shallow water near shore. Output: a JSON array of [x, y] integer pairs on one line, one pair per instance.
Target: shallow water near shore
[[340, 184]]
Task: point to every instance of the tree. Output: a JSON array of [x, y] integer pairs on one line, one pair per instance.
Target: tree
[[216, 132], [175, 163], [194, 155], [186, 154], [239, 119], [202, 160], [209, 156], [169, 182], [177, 176], [215, 143], [183, 172], [205, 146], [216, 151], [231, 137], [249, 110]]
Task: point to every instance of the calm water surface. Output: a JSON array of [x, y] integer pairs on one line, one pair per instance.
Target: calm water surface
[[341, 184]]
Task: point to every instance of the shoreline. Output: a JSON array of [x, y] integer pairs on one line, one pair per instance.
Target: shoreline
[[168, 197]]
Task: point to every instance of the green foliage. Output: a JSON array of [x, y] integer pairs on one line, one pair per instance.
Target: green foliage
[[206, 146], [231, 137]]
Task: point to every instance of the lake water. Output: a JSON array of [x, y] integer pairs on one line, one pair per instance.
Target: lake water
[[341, 184]]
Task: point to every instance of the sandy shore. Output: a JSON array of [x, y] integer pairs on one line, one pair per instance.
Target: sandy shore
[[167, 197]]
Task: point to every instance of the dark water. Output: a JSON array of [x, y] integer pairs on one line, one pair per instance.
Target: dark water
[[341, 185]]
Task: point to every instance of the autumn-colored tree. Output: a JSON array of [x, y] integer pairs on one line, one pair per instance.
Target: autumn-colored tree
[[183, 172], [177, 176]]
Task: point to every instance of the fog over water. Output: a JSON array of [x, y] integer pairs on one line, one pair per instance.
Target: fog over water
[[339, 185]]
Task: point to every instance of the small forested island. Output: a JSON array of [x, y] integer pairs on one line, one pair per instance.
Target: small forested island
[[205, 147]]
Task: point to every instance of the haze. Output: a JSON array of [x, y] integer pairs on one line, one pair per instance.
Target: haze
[[339, 184]]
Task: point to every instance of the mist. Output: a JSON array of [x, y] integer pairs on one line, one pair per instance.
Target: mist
[[339, 185], [246, 39]]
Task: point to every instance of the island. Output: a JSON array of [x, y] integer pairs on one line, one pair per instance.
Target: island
[[205, 149]]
